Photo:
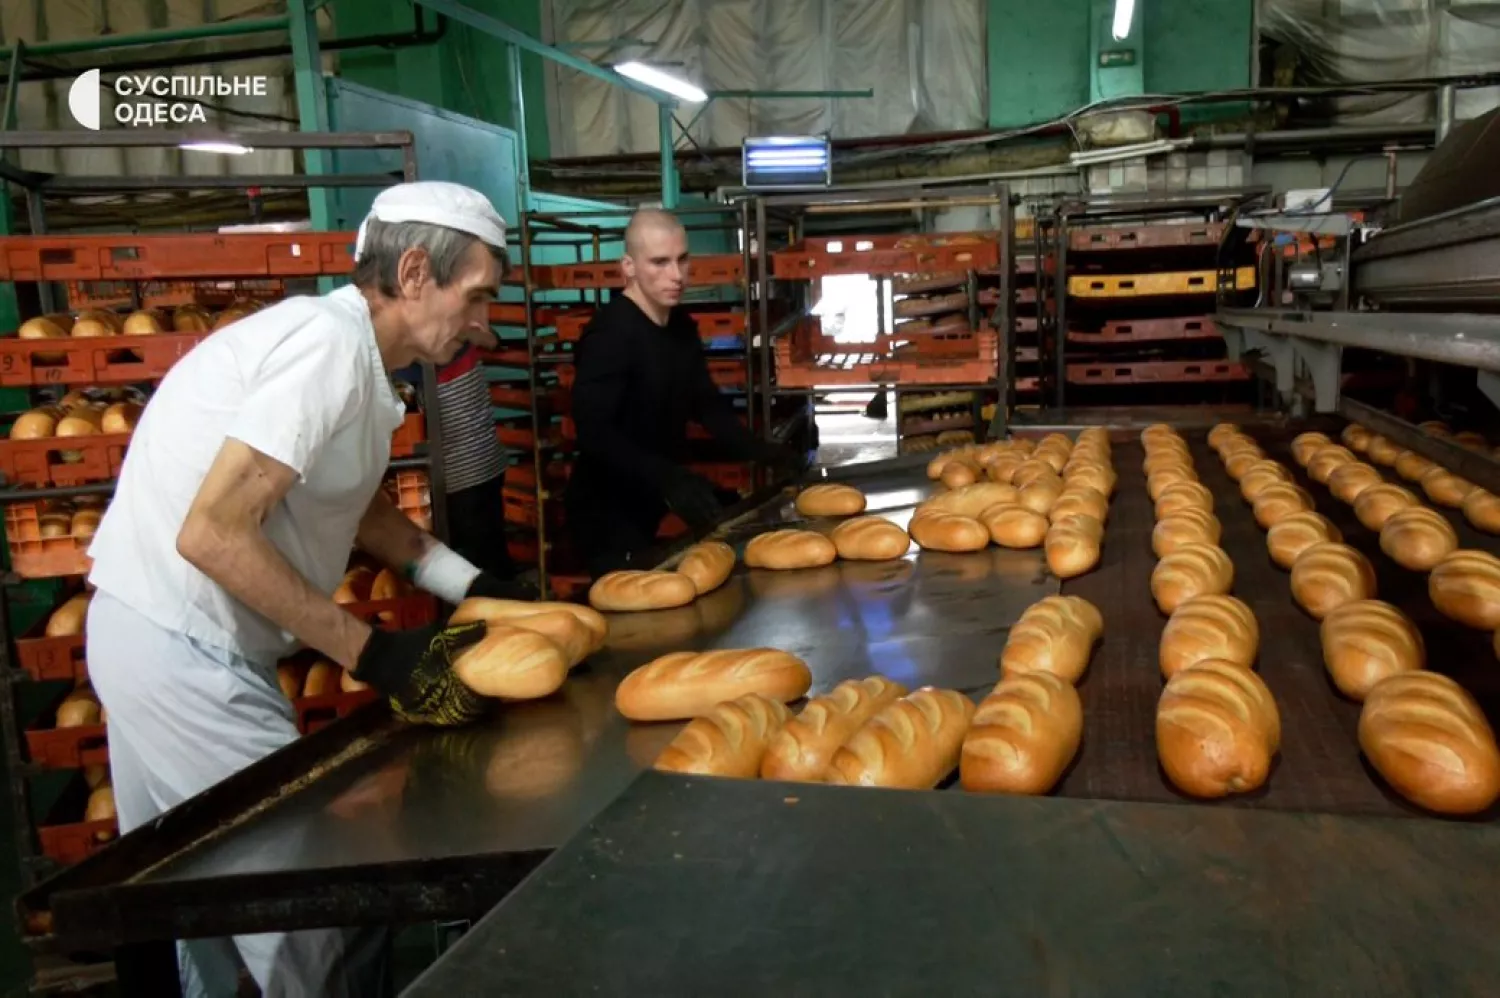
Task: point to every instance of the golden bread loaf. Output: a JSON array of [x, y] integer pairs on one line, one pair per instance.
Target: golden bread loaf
[[290, 677], [144, 322], [101, 807], [94, 322], [1040, 494], [1099, 477], [956, 474], [1442, 487], [1382, 451], [1167, 460], [1157, 431], [1190, 570], [1260, 475], [79, 709], [1356, 438], [37, 424], [1023, 736], [1366, 641], [1241, 461], [1072, 546], [936, 465], [1482, 509], [1056, 634], [191, 319], [1186, 526], [1220, 432], [912, 743], [1209, 627], [1412, 466], [707, 564], [803, 749], [1277, 502], [949, 532], [1378, 503], [578, 631], [1418, 538], [1184, 495], [1012, 525], [1323, 463], [84, 523], [1160, 480], [1465, 586], [630, 590], [512, 663], [1349, 480], [67, 620], [120, 417], [1305, 445], [322, 679], [832, 500], [1328, 575], [1217, 729], [729, 740], [355, 586], [1082, 500], [971, 500], [1430, 741], [1435, 428], [688, 684], [46, 327], [1031, 471], [1471, 440], [1288, 537], [790, 549], [870, 538], [1003, 468]]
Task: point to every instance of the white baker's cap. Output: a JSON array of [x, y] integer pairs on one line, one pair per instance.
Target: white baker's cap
[[436, 202]]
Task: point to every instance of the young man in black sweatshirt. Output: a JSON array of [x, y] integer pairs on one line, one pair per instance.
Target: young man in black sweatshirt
[[641, 378]]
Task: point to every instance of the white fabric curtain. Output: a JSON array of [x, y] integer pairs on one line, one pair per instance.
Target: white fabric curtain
[[925, 61], [1367, 41]]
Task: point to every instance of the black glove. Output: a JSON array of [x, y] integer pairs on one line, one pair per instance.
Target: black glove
[[692, 498], [490, 587], [414, 670], [784, 459]]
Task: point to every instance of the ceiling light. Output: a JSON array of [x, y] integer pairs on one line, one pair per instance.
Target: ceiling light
[[1124, 11], [226, 148], [666, 82]]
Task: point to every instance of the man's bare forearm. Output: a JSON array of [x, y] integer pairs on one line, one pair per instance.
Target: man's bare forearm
[[386, 533]]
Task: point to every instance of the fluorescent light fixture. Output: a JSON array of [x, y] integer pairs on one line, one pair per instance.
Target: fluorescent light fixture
[[225, 148], [783, 161], [666, 82], [1124, 11]]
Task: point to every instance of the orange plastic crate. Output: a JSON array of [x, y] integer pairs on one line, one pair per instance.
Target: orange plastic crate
[[412, 610], [102, 361], [1102, 237], [133, 257], [320, 711], [67, 748], [887, 254], [808, 359], [67, 839], [707, 271], [711, 325], [411, 432], [1127, 331], [33, 556], [44, 658], [1146, 372], [40, 462]]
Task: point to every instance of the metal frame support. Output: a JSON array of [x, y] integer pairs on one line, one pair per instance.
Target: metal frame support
[[671, 187], [312, 105], [1323, 363], [518, 122], [1489, 383]]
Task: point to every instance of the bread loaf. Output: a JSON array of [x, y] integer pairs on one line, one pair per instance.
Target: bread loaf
[[355, 587], [1366, 641], [37, 424], [1158, 481], [870, 538], [729, 740], [834, 500], [1435, 428], [1056, 634], [291, 677], [1349, 480], [1465, 586], [46, 327], [949, 532], [1430, 741], [1305, 445], [803, 749], [1296, 532], [958, 473], [1378, 503], [790, 549], [1041, 494], [1209, 627], [1157, 431], [348, 684], [1012, 525], [1099, 477], [1186, 526], [84, 523], [120, 417], [1080, 500], [1328, 575], [94, 322], [1031, 471], [1003, 468], [707, 564], [1471, 440], [1261, 475], [971, 500], [1356, 437], [1191, 570], [1418, 538], [67, 620], [1072, 546], [1238, 463], [1167, 460], [936, 465], [576, 630], [1323, 463], [1221, 432], [191, 319], [144, 322], [55, 521], [1382, 451], [1277, 502], [1444, 488], [1217, 729], [513, 663], [1412, 466], [688, 684], [911, 744], [631, 590], [79, 709], [1482, 509], [1184, 495], [322, 679], [1023, 736], [101, 807]]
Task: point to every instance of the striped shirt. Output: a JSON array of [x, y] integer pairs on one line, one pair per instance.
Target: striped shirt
[[472, 454]]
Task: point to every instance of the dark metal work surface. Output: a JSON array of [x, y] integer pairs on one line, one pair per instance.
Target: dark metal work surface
[[1448, 258], [1465, 339], [719, 887], [1476, 466], [402, 824]]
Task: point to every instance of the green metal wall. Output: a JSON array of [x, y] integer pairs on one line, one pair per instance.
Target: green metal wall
[[466, 72], [1041, 55]]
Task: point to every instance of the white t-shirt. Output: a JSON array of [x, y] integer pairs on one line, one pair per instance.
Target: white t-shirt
[[302, 382]]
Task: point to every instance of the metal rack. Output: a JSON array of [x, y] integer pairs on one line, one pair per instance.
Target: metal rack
[[48, 261]]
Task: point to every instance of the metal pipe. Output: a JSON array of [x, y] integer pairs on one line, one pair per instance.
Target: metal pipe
[[518, 125], [670, 189], [1446, 98], [160, 138], [65, 184], [1315, 138], [164, 36]]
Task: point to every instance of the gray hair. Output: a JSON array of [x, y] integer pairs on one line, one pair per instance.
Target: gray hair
[[386, 241]]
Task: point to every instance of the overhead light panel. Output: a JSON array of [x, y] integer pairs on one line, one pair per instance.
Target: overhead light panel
[[1124, 12], [223, 148], [774, 161], [665, 82]]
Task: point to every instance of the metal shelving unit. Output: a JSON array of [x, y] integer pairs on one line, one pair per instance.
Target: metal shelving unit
[[132, 270]]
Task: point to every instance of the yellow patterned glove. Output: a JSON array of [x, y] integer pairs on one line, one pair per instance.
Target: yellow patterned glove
[[414, 669]]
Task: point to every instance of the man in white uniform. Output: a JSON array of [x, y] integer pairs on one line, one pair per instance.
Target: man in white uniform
[[253, 473]]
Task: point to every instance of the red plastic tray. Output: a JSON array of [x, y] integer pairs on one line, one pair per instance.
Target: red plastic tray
[[33, 556], [317, 712], [1156, 371], [103, 361], [39, 462], [44, 658], [134, 257], [887, 254], [71, 842], [719, 268], [808, 359], [570, 324], [1128, 331], [1097, 238], [67, 748], [411, 432]]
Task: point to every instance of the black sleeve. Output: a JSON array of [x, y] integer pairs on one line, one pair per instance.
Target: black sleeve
[[603, 358], [713, 411]]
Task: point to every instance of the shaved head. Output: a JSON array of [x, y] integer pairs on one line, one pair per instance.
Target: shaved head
[[656, 262]]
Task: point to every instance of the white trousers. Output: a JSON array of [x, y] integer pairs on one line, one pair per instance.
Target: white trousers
[[182, 717]]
